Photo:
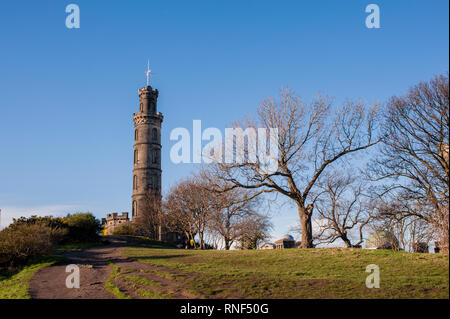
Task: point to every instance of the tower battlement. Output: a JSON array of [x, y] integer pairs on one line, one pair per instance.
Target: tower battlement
[[148, 90], [147, 99]]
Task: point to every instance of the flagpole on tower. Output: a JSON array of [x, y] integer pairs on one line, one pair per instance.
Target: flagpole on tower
[[148, 72]]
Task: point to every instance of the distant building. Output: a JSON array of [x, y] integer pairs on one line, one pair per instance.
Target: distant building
[[286, 242], [113, 220], [382, 240], [268, 246]]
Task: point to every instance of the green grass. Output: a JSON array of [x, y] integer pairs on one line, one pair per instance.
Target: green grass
[[301, 273], [16, 284], [147, 287], [163, 274], [142, 286], [111, 287]]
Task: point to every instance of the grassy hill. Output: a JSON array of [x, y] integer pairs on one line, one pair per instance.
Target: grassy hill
[[154, 270], [291, 273]]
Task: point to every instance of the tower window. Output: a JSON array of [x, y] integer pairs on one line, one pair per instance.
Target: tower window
[[135, 182], [155, 157], [154, 134], [141, 107], [135, 135], [134, 208], [135, 156]]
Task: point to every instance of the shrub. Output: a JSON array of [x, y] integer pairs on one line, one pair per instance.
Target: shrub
[[23, 242], [59, 230], [83, 227], [27, 238], [125, 229]]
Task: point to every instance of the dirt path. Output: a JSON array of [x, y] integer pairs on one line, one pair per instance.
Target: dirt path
[[50, 282], [95, 269]]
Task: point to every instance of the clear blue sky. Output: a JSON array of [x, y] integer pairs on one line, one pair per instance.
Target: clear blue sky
[[67, 96]]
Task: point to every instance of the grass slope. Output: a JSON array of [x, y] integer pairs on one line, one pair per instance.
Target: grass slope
[[15, 285], [300, 273], [111, 287]]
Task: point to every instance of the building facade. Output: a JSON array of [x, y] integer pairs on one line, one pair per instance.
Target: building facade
[[286, 242], [114, 220], [268, 246], [147, 150]]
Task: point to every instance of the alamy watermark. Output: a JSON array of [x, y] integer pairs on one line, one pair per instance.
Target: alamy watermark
[[373, 280], [73, 280], [373, 19], [73, 17], [249, 145]]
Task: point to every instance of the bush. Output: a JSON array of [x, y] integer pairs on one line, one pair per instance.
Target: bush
[[27, 238], [83, 227], [59, 230], [23, 242], [125, 229]]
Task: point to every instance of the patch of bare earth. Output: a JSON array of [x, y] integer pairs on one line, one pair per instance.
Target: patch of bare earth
[[95, 270], [157, 280], [50, 282]]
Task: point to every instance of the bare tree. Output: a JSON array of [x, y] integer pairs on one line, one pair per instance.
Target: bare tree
[[410, 231], [178, 217], [149, 222], [341, 209], [420, 234], [232, 210], [441, 228], [413, 163], [253, 231], [311, 139], [189, 206]]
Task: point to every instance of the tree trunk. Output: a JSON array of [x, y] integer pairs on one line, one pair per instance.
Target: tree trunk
[[160, 233], [227, 234], [346, 241], [200, 236], [305, 221], [227, 244]]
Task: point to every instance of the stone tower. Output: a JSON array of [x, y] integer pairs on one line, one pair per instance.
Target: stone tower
[[147, 150]]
